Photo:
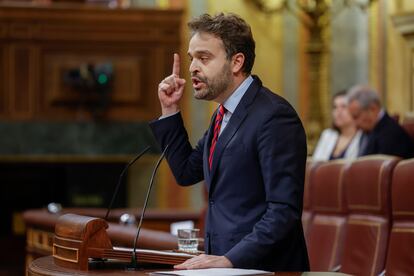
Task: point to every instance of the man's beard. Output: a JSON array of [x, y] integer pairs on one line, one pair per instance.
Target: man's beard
[[215, 85]]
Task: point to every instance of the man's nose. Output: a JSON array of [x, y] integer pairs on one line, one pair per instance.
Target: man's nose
[[194, 66]]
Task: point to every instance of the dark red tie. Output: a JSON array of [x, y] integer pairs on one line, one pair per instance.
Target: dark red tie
[[217, 125]]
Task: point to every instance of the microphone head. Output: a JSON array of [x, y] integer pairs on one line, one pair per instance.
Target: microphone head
[[127, 219], [54, 207]]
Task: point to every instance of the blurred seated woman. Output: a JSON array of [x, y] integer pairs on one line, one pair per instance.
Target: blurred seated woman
[[341, 141]]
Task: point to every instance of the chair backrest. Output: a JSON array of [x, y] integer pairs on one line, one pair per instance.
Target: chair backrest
[[367, 187], [326, 230], [408, 125], [400, 256], [307, 203]]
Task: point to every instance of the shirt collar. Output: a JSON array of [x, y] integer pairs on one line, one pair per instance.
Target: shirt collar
[[380, 114], [231, 103]]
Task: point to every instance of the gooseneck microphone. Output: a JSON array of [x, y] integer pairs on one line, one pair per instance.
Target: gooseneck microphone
[[121, 177], [134, 259]]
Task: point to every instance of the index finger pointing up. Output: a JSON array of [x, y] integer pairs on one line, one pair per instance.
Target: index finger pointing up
[[176, 65]]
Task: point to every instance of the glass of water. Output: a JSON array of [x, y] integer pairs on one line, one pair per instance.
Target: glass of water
[[188, 240]]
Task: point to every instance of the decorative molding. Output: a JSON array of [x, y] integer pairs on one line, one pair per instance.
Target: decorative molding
[[404, 23], [316, 16]]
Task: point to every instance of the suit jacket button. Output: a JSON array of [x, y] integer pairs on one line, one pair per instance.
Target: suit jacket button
[[211, 202]]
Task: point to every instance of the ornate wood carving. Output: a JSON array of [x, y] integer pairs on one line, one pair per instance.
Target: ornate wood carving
[[79, 238], [404, 23]]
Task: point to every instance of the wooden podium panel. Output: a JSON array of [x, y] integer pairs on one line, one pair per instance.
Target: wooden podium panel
[[81, 244], [46, 267], [78, 240]]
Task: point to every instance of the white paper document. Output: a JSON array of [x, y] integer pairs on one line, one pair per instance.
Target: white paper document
[[213, 272]]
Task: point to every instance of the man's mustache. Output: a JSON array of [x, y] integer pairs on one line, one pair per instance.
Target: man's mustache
[[199, 78]]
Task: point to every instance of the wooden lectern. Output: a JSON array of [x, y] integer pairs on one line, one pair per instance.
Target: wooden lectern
[[80, 238]]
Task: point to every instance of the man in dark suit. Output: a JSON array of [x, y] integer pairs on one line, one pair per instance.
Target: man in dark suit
[[252, 157], [382, 134]]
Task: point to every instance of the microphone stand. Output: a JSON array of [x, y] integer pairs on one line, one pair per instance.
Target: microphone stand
[[121, 176], [133, 258]]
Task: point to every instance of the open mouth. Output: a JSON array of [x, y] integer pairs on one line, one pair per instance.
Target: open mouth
[[197, 83]]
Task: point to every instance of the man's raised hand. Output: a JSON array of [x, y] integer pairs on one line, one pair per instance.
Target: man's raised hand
[[170, 89]]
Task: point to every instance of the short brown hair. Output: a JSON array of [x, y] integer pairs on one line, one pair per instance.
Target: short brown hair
[[232, 30]]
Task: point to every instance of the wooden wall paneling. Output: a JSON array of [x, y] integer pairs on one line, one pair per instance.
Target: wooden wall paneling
[[4, 71], [3, 79], [133, 77], [3, 68], [48, 40], [410, 92], [404, 23], [21, 81]]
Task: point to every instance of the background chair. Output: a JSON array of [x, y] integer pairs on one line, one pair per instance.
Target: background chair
[[408, 125], [307, 204], [367, 185], [326, 230], [400, 255]]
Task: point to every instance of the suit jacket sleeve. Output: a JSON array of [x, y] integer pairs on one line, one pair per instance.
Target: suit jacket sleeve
[[281, 146], [398, 144], [186, 163]]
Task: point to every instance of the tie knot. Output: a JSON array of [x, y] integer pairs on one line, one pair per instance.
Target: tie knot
[[221, 110]]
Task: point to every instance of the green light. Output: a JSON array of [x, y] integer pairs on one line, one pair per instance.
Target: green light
[[102, 79]]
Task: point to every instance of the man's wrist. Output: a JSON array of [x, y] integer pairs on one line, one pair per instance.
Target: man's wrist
[[227, 262], [168, 111]]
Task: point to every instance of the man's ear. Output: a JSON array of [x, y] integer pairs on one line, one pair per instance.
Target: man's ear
[[237, 62]]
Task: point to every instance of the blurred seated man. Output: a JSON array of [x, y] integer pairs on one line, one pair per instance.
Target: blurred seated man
[[382, 134], [342, 140]]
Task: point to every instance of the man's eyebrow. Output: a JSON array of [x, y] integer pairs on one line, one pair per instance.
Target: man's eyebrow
[[200, 52]]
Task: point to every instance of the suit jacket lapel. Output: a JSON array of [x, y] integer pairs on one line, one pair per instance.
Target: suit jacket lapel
[[231, 128], [233, 125]]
